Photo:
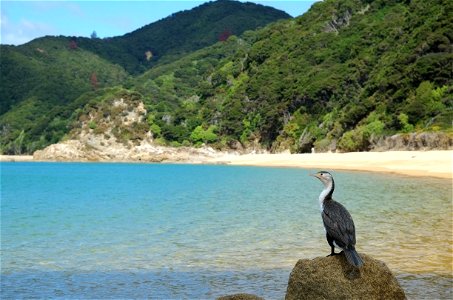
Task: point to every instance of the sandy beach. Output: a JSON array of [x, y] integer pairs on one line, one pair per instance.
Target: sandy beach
[[12, 158], [414, 163]]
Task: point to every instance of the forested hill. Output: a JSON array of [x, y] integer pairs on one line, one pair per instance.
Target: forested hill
[[42, 80], [340, 77], [181, 33]]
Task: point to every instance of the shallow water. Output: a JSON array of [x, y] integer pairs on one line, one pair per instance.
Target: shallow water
[[74, 230]]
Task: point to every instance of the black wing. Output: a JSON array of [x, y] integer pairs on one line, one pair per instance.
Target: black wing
[[338, 223]]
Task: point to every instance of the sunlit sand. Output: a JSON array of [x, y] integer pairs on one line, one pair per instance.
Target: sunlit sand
[[414, 163]]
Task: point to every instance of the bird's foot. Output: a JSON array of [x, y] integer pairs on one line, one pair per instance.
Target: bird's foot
[[334, 254]]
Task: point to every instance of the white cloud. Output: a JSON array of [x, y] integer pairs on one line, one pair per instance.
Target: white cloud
[[3, 19], [17, 33]]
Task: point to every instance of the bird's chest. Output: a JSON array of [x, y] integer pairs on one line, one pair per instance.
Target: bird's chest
[[322, 198], [321, 204]]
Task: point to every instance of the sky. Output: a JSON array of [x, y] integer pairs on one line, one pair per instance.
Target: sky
[[21, 21]]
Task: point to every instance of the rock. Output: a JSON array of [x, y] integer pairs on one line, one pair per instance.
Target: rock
[[414, 141], [146, 151], [117, 130], [240, 297], [64, 151], [333, 278]]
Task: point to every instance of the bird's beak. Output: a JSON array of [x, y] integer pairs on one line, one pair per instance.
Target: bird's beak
[[314, 175]]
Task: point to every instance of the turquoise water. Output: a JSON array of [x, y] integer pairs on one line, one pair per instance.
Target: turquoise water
[[71, 230]]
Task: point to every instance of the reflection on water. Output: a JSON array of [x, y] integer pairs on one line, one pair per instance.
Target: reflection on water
[[160, 284], [172, 231], [408, 218]]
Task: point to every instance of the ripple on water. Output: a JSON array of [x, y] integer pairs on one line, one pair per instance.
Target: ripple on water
[[180, 231]]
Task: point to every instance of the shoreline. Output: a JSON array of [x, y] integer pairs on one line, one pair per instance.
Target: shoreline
[[16, 158], [433, 163]]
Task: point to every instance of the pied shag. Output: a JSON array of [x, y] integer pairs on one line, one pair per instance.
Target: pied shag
[[340, 230]]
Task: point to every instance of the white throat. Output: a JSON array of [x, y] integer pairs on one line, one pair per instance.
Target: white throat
[[324, 194]]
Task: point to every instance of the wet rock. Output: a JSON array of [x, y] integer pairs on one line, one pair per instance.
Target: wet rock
[[240, 297], [333, 278]]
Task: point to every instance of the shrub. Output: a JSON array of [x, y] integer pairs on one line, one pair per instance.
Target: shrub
[[201, 135], [92, 125], [375, 128], [404, 121], [155, 129], [353, 140]]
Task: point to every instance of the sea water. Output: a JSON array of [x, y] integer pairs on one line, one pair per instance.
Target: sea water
[[91, 230]]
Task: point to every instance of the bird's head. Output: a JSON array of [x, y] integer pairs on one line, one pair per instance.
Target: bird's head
[[325, 177]]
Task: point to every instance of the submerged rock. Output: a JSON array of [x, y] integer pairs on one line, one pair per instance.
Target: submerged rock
[[333, 278], [240, 297]]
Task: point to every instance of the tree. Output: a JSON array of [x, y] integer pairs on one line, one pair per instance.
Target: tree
[[72, 45], [224, 35], [199, 134], [18, 143], [94, 35]]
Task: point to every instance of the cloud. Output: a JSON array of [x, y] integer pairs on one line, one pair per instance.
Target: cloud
[[17, 33]]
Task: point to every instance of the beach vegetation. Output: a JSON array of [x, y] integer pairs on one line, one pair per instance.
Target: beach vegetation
[[406, 127], [92, 125], [204, 135], [155, 130]]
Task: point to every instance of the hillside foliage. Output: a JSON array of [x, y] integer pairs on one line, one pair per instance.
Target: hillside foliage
[[339, 77], [181, 33], [42, 81], [40, 84], [336, 78]]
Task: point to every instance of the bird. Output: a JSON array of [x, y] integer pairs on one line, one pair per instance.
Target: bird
[[338, 223]]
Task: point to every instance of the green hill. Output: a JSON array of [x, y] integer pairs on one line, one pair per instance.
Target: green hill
[[182, 33], [40, 82], [43, 80], [341, 76]]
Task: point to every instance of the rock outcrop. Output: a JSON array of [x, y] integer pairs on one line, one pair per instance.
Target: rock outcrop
[[116, 130], [146, 151], [414, 141], [333, 278]]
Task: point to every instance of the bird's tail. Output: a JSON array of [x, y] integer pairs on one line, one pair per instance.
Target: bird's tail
[[353, 257]]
